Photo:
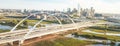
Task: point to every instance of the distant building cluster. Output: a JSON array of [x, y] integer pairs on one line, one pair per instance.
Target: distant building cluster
[[10, 12], [87, 12], [83, 13]]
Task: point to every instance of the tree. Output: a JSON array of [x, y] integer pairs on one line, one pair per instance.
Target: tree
[[25, 23], [15, 21], [1, 17]]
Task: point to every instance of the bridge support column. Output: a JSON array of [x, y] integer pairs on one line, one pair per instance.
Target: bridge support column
[[77, 29], [11, 43], [8, 44], [21, 42]]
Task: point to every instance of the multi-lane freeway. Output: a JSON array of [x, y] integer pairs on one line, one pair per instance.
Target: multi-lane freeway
[[19, 34]]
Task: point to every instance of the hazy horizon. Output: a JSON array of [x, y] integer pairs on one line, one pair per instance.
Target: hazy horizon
[[101, 6]]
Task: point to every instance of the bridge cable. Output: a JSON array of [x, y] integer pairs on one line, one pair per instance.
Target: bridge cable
[[35, 27], [73, 22], [31, 30], [19, 23]]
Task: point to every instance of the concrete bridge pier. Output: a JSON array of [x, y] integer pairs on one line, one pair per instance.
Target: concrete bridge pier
[[20, 43], [15, 43], [7, 44], [11, 43]]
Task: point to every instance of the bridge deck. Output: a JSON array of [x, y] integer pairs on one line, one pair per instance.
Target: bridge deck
[[18, 35]]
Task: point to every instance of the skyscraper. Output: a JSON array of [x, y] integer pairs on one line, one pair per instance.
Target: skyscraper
[[69, 10], [78, 12], [92, 11]]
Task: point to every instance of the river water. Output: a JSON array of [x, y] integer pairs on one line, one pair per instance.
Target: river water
[[3, 27], [94, 40]]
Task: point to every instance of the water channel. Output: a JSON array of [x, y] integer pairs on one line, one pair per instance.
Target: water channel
[[4, 27]]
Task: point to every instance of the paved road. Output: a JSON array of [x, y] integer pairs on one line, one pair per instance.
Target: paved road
[[111, 34]]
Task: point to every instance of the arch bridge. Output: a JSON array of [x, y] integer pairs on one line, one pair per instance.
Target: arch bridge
[[22, 35]]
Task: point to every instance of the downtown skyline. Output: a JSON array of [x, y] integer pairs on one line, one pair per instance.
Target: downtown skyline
[[101, 6]]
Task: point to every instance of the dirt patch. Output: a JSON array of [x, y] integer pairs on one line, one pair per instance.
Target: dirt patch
[[31, 42]]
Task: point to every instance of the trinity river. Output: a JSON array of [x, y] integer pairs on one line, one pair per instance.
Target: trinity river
[[3, 27]]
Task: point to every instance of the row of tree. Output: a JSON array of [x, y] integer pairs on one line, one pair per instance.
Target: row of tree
[[14, 22]]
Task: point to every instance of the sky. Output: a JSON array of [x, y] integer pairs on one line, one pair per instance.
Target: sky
[[101, 6]]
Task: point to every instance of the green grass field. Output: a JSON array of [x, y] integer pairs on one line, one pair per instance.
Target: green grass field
[[97, 36], [1, 31], [63, 42]]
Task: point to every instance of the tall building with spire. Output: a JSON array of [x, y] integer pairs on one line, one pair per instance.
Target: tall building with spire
[[91, 12], [78, 12], [69, 10], [78, 6]]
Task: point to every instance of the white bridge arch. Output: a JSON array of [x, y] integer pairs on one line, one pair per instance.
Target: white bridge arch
[[20, 35], [19, 23], [22, 40]]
